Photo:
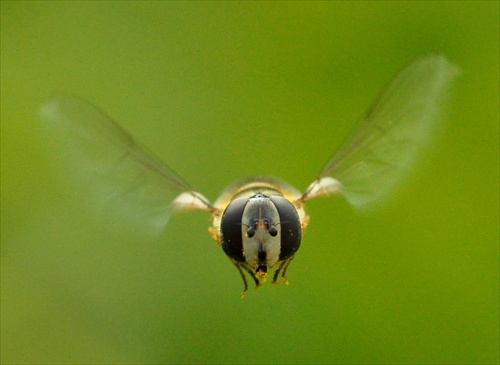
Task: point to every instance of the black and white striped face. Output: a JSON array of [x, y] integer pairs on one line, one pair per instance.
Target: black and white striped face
[[260, 231]]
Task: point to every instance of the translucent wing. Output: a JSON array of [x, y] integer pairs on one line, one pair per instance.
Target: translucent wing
[[375, 158], [125, 181]]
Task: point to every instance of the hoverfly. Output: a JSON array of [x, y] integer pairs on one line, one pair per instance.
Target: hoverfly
[[258, 222]]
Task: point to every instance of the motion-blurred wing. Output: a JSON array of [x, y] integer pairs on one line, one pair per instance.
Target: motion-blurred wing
[[372, 161], [125, 180]]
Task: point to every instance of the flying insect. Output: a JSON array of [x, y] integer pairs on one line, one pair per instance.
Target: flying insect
[[259, 222]]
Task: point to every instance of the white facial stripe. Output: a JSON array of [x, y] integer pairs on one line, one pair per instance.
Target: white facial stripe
[[258, 212]]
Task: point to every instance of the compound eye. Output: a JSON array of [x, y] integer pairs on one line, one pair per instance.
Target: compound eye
[[291, 231], [273, 231], [230, 227]]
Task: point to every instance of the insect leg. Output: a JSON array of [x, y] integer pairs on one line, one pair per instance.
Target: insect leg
[[252, 274], [285, 268], [245, 283], [276, 274]]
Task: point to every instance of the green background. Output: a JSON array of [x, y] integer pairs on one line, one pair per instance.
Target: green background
[[224, 90]]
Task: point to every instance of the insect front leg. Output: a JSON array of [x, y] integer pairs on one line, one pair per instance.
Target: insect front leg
[[285, 268], [243, 266]]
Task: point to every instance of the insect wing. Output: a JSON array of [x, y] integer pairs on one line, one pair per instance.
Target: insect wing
[[124, 180], [379, 153]]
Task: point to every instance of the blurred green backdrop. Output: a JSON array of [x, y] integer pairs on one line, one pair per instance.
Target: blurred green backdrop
[[220, 91]]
